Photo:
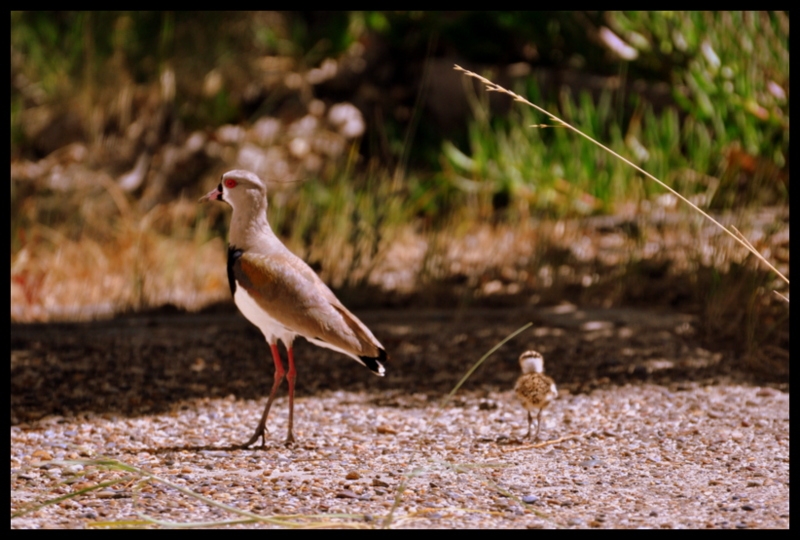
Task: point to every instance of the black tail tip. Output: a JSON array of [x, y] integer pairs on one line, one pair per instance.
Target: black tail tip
[[375, 363]]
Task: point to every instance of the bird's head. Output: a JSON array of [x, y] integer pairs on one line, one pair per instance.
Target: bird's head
[[240, 189], [531, 362]]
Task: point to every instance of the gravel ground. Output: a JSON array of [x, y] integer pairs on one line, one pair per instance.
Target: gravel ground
[[673, 445], [634, 456]]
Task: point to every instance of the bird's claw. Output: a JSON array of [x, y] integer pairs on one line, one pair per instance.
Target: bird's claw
[[262, 433]]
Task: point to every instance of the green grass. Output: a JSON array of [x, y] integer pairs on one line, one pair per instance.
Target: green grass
[[549, 169], [725, 139]]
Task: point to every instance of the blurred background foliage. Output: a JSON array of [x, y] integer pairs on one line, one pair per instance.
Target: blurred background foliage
[[119, 120], [699, 90]]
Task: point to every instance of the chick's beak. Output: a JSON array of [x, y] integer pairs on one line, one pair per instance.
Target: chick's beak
[[213, 195]]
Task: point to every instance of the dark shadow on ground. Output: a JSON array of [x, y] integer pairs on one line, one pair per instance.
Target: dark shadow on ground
[[147, 363]]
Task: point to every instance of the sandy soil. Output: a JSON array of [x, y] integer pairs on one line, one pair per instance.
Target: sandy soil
[[650, 429]]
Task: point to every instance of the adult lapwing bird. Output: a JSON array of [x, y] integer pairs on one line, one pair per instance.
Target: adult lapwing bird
[[534, 389], [280, 294]]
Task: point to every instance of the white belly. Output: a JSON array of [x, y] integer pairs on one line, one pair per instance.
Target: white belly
[[272, 329]]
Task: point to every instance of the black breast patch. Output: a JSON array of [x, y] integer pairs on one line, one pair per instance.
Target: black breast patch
[[233, 256]]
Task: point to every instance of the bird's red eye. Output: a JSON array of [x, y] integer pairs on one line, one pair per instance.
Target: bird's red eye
[[230, 183]]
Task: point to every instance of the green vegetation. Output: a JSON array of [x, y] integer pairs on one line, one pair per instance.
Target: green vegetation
[[730, 154]]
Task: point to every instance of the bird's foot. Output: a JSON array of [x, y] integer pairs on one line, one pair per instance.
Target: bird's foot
[[261, 432], [290, 439]]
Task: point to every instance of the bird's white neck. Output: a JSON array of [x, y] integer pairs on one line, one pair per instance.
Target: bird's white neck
[[250, 229], [532, 364]]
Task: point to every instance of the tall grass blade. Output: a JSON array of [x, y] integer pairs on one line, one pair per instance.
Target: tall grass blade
[[420, 470], [493, 87]]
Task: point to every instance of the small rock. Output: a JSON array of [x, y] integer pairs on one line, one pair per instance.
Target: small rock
[[487, 405], [353, 475], [530, 499], [42, 454]]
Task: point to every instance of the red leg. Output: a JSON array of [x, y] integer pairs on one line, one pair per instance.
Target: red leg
[[279, 373], [291, 376]]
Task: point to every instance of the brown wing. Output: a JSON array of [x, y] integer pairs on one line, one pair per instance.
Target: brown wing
[[293, 294]]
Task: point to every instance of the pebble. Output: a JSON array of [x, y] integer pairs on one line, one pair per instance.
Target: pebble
[[346, 494]]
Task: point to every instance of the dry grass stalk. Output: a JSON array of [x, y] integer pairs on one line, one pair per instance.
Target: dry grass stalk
[[389, 520], [493, 87], [542, 444]]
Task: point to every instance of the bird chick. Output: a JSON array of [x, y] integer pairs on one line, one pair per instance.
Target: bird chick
[[534, 389]]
